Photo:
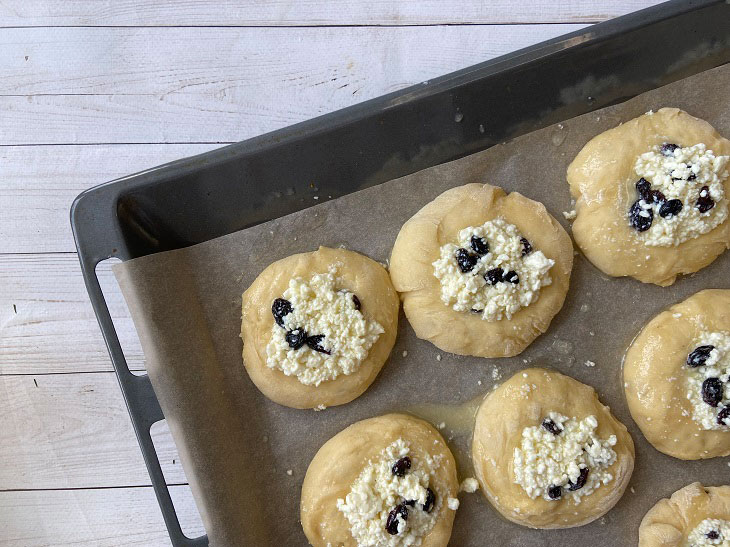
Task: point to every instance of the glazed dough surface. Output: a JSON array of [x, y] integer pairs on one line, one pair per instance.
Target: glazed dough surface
[[655, 381], [523, 401], [362, 276], [602, 180], [668, 523], [439, 222], [341, 460]]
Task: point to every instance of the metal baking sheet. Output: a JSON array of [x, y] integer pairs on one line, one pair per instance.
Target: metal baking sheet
[[236, 446]]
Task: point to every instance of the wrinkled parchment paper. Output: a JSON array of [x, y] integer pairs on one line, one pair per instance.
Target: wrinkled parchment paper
[[236, 446]]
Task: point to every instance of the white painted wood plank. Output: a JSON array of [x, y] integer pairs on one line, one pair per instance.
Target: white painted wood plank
[[39, 183], [308, 12], [153, 85], [92, 518], [73, 431], [47, 324]]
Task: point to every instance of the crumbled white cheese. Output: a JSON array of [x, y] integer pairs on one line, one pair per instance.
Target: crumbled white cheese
[[570, 215], [669, 174], [322, 307], [289, 472], [405, 353], [377, 491], [590, 364], [716, 366], [453, 503], [320, 407], [699, 536], [546, 460], [470, 292], [438, 356], [469, 485]]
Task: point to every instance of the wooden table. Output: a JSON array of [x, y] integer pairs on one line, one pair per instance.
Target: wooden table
[[93, 90]]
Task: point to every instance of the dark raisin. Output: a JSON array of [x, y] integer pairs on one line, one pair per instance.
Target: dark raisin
[[555, 492], [640, 218], [692, 174], [712, 534], [315, 343], [430, 501], [410, 503], [465, 260], [655, 196], [400, 467], [280, 308], [476, 311], [705, 202], [668, 149], [296, 338], [479, 245], [643, 187], [399, 513], [551, 426], [699, 356], [712, 391], [670, 208], [511, 277], [494, 276], [723, 417], [526, 246], [580, 481], [356, 301]]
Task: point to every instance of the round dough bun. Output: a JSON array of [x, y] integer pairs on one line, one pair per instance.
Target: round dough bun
[[419, 244], [341, 460], [362, 276], [498, 431], [668, 523], [602, 180], [653, 372]]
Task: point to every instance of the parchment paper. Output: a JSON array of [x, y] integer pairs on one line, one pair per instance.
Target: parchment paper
[[236, 446]]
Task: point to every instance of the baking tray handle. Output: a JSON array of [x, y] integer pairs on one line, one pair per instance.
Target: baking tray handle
[[144, 408]]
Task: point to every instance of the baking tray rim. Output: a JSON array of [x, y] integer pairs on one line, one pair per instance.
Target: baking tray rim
[[97, 234]]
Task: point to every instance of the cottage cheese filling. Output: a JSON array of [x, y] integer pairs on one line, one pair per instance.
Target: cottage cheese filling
[[497, 282], [552, 458], [701, 387], [710, 532], [320, 308], [692, 175], [377, 491]]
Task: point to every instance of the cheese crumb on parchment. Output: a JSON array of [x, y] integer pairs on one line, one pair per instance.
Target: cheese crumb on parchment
[[320, 306], [377, 491], [469, 485], [553, 457], [497, 274]]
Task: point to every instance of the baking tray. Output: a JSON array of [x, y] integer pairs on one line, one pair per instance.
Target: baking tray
[[213, 194]]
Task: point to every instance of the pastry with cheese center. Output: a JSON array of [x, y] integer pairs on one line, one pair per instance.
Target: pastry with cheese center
[[652, 197], [548, 453], [388, 481], [694, 516], [481, 272], [676, 377], [317, 327]]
